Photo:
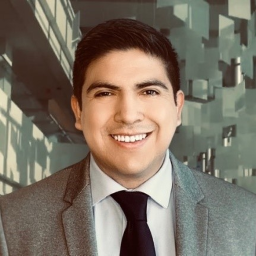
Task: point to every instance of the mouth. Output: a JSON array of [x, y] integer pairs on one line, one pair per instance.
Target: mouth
[[129, 138]]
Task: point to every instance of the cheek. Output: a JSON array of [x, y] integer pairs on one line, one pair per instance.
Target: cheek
[[94, 119], [164, 113], [167, 123]]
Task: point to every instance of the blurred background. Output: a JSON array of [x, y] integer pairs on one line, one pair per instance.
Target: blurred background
[[216, 44]]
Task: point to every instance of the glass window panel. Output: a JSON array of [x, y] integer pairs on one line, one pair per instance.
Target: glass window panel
[[42, 18], [69, 37], [199, 18], [239, 9], [200, 89], [181, 11], [61, 19], [52, 5], [55, 43]]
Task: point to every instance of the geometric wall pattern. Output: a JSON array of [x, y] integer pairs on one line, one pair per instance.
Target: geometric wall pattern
[[217, 50], [216, 44], [26, 155]]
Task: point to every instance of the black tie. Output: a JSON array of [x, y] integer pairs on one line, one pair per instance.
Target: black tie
[[137, 239]]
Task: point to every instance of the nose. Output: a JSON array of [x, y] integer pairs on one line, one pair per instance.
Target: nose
[[129, 110]]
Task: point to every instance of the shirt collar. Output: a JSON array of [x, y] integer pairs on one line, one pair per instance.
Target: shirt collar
[[157, 187]]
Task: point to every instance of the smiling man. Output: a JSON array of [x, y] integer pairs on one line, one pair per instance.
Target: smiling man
[[130, 196], [128, 114]]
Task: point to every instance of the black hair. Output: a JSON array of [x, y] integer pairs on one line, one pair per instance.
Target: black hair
[[123, 34]]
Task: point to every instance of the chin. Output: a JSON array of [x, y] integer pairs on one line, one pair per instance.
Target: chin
[[133, 169]]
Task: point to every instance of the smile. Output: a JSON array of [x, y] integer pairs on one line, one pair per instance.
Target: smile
[[127, 138]]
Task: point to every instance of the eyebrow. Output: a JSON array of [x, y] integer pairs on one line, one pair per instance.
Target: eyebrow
[[152, 83], [98, 85]]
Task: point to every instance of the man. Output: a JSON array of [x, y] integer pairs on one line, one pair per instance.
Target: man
[[127, 101]]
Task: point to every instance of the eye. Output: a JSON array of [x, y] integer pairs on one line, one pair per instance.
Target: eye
[[103, 94], [151, 92]]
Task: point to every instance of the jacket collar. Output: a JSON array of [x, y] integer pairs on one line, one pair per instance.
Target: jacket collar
[[185, 179], [77, 219], [191, 214]]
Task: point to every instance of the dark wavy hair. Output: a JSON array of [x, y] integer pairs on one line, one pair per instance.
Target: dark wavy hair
[[123, 34]]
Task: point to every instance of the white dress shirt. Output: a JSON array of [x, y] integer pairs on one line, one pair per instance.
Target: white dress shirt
[[110, 221]]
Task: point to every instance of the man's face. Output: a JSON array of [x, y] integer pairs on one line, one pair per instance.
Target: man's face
[[128, 114]]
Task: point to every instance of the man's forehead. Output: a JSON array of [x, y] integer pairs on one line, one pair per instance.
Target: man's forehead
[[116, 72], [107, 56]]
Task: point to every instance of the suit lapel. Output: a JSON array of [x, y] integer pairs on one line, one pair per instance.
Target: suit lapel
[[78, 217], [191, 216]]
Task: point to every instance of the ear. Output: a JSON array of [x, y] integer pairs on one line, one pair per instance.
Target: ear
[[77, 112], [179, 105]]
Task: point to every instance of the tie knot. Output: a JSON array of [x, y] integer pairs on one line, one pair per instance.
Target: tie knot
[[133, 204]]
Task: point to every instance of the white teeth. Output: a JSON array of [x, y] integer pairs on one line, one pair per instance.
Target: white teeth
[[127, 138], [132, 139]]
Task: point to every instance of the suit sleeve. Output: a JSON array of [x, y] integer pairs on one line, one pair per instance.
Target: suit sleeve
[[3, 244]]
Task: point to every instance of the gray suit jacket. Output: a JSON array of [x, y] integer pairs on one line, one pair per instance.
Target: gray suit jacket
[[55, 217]]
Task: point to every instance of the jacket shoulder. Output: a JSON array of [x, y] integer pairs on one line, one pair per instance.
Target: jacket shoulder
[[31, 217], [210, 186], [43, 193], [217, 192], [225, 197], [219, 187]]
